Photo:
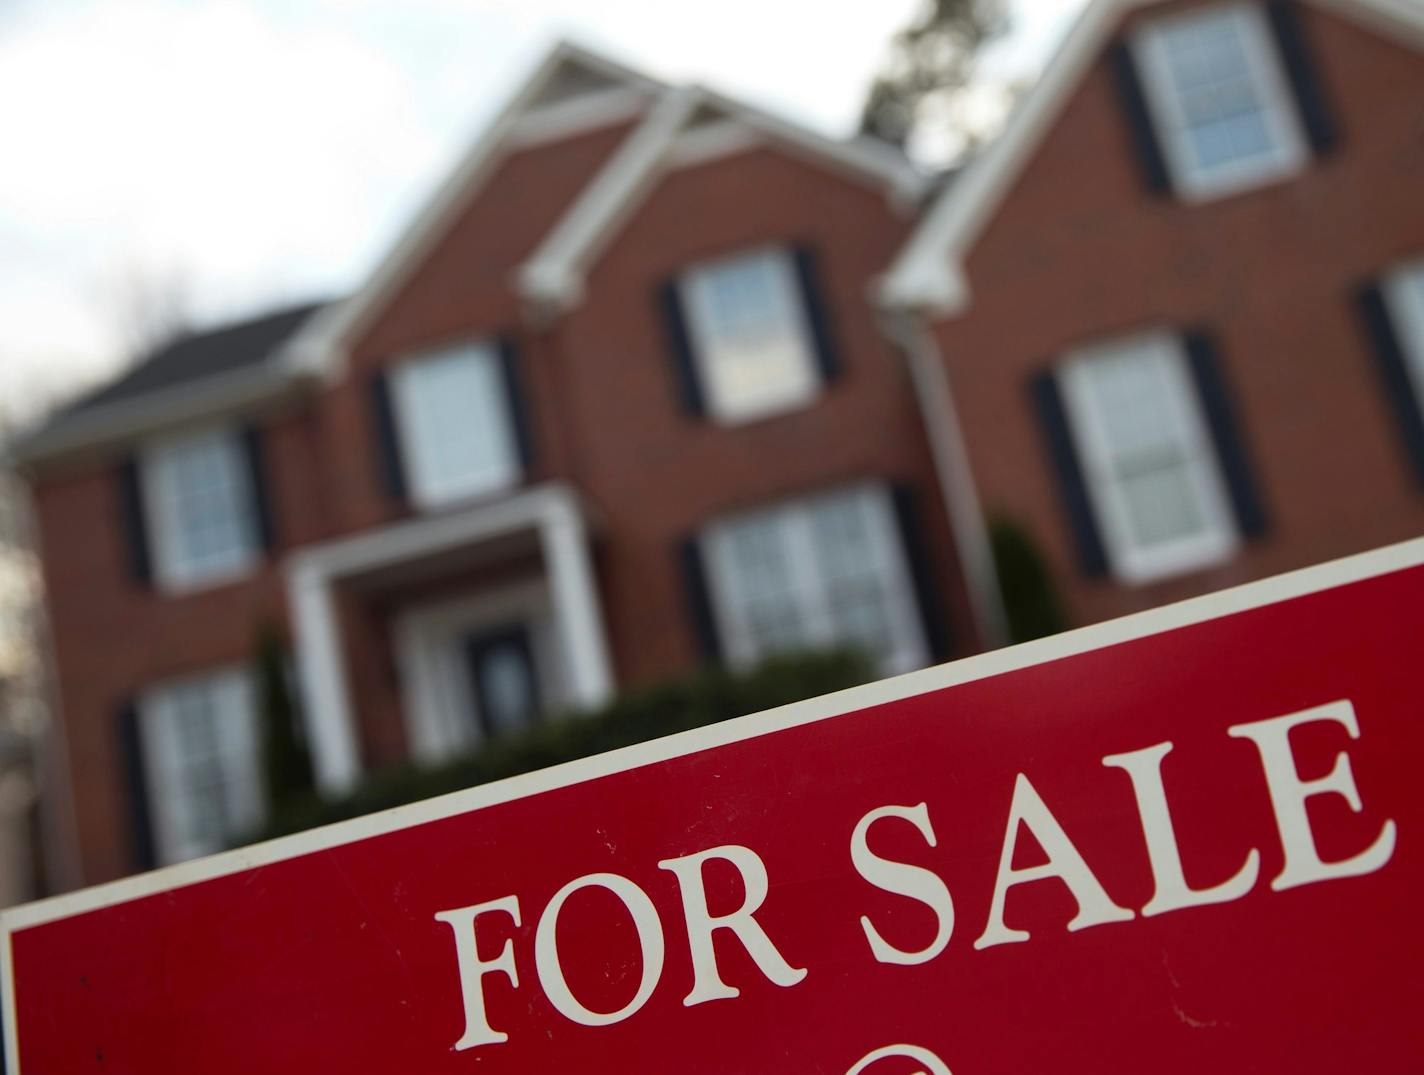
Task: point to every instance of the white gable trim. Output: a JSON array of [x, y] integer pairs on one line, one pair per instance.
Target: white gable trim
[[320, 346], [552, 279], [928, 274]]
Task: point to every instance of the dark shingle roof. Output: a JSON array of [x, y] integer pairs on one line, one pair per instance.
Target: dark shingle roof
[[198, 356]]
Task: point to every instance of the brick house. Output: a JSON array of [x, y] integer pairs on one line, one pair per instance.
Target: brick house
[[617, 403], [1179, 303]]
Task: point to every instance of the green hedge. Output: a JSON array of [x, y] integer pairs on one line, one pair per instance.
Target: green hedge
[[704, 698]]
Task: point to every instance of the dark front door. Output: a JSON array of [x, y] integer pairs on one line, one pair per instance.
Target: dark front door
[[504, 684]]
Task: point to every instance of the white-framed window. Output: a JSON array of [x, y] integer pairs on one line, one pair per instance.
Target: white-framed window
[[1224, 111], [457, 437], [751, 337], [201, 508], [1404, 295], [812, 573], [1151, 467], [202, 758]]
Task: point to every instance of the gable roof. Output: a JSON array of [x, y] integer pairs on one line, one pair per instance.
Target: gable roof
[[226, 366], [570, 83], [552, 277], [928, 274]]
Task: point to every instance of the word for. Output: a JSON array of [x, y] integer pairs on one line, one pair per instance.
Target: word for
[[1289, 794]]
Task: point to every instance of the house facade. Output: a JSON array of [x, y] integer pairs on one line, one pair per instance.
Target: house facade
[[617, 404], [1179, 304]]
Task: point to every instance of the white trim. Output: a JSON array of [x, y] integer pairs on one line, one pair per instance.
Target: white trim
[[883, 558], [163, 409], [1265, 592], [553, 273], [435, 694], [702, 145], [708, 354], [929, 375], [172, 575], [321, 344], [1403, 289], [579, 115], [1132, 562], [552, 512], [239, 745], [1289, 152], [928, 274], [552, 277], [490, 415]]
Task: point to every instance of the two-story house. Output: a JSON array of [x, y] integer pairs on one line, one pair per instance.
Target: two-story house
[[1178, 306], [616, 404]]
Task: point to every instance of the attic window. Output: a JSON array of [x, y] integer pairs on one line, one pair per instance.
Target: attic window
[[1220, 100]]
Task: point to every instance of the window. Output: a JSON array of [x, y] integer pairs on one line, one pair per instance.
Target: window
[[815, 573], [1221, 103], [201, 508], [1404, 294], [754, 351], [201, 748], [457, 435], [1148, 460]]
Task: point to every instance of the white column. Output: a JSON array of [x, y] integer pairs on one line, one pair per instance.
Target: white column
[[578, 616], [326, 705]]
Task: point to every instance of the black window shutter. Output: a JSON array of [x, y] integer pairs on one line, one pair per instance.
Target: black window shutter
[[699, 600], [1220, 414], [1394, 372], [679, 341], [1301, 68], [254, 448], [388, 453], [134, 520], [518, 400], [916, 544], [1152, 165], [1072, 487], [818, 315], [136, 787]]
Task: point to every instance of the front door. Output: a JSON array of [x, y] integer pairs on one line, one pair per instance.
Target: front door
[[503, 681]]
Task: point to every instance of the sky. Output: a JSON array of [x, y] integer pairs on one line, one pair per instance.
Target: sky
[[243, 154]]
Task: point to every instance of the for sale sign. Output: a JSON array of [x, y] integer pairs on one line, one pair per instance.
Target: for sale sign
[[1186, 841]]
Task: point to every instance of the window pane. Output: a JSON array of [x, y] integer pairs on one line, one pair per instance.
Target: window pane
[[1220, 98], [1149, 460], [750, 332], [454, 424], [816, 573], [855, 593], [202, 506], [763, 582], [203, 750]]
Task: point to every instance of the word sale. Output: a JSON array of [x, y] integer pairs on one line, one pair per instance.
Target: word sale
[[1289, 794]]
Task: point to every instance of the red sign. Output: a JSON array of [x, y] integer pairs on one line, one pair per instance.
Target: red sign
[[1186, 841]]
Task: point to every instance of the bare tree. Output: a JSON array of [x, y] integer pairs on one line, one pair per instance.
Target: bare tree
[[149, 306], [931, 67]]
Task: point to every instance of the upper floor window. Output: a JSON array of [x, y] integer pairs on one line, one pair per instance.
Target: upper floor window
[[201, 753], [457, 434], [1151, 468], [1220, 100], [201, 506], [753, 346], [824, 571], [1404, 291]]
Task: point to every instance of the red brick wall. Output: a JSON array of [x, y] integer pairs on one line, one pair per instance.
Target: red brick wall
[[605, 417], [1079, 252], [113, 636], [666, 473]]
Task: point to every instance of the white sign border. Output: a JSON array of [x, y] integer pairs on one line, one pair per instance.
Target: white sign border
[[1251, 595]]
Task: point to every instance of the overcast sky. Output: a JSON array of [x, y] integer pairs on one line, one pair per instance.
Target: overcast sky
[[266, 151]]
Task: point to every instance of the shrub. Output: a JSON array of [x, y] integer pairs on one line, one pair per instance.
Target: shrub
[[1031, 600], [706, 697]]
